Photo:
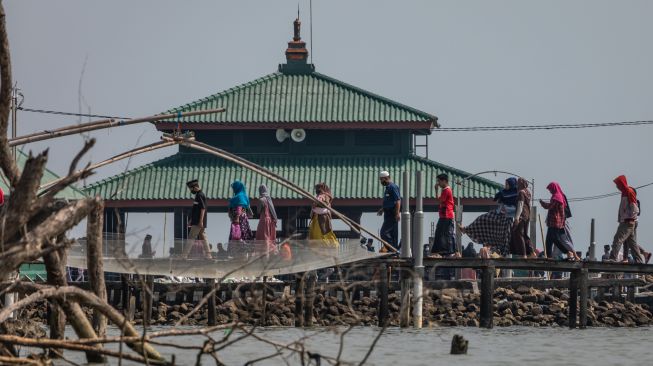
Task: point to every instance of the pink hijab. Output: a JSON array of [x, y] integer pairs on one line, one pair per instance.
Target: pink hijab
[[556, 192]]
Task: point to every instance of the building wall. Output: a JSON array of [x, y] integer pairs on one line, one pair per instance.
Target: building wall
[[318, 142]]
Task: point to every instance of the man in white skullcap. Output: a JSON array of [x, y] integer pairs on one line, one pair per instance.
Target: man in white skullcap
[[391, 211]]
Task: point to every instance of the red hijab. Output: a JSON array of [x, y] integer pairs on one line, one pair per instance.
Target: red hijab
[[556, 193], [626, 190]]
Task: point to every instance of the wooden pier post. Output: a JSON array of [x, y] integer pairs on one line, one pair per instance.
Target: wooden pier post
[[94, 226], [309, 298], [131, 303], [487, 294], [383, 295], [299, 300], [211, 302], [583, 283], [147, 294], [573, 298], [616, 293], [630, 294], [124, 297], [405, 308], [264, 301]]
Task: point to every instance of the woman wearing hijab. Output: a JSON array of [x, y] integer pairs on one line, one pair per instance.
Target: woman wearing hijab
[[320, 231], [493, 229], [520, 242], [266, 232], [238, 210], [626, 234], [556, 233]]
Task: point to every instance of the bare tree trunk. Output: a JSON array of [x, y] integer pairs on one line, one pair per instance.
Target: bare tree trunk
[[57, 318], [72, 295], [95, 264], [56, 276], [7, 162]]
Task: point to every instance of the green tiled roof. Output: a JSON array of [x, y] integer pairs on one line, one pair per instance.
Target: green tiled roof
[[34, 272], [311, 97], [352, 177], [70, 192]]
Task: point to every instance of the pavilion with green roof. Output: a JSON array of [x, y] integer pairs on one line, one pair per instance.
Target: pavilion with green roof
[[303, 125]]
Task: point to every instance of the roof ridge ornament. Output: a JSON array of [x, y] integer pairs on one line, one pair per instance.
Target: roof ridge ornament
[[297, 27], [296, 53]]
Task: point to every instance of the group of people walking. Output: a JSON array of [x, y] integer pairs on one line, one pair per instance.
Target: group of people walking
[[264, 240], [503, 231]]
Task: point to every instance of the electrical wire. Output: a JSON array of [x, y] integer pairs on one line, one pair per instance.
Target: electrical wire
[[541, 127], [45, 111], [601, 196], [573, 199], [441, 129]]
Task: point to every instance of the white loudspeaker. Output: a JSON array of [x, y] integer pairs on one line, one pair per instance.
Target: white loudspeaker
[[298, 135], [282, 135]]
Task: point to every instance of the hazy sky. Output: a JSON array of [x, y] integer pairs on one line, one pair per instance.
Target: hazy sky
[[468, 62]]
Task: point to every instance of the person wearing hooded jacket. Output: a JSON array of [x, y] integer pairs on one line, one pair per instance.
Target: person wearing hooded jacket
[[626, 234]]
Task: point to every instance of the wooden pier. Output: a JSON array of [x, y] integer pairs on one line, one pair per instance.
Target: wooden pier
[[579, 282], [380, 275]]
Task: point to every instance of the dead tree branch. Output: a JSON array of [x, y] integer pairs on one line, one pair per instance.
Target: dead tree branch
[[7, 163]]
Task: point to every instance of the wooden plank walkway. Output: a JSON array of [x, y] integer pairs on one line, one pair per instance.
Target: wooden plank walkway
[[525, 264]]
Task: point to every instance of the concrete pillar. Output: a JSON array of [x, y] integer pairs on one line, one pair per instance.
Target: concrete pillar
[[418, 252]]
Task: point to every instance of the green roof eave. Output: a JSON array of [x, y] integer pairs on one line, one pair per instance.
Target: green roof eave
[[350, 177]]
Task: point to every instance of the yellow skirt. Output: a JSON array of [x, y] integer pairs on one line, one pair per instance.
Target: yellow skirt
[[328, 240]]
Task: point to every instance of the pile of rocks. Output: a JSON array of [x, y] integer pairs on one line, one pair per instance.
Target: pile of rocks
[[530, 307], [522, 306]]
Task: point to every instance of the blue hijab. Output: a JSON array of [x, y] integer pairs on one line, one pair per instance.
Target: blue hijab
[[240, 195], [508, 196]]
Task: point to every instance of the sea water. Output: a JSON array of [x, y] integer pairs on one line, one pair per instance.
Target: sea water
[[428, 346]]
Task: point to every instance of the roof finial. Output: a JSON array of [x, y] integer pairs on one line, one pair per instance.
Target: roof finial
[[298, 24], [296, 53]]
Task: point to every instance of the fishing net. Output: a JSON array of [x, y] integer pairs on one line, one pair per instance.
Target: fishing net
[[236, 259]]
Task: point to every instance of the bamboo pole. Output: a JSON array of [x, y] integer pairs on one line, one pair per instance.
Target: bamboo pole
[[276, 178], [127, 154], [539, 218], [101, 124], [546, 255]]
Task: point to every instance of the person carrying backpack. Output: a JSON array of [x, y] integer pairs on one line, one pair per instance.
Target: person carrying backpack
[[556, 219], [627, 217]]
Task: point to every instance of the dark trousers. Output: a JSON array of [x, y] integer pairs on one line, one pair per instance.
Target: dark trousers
[[559, 238], [445, 237], [390, 227], [520, 243]]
